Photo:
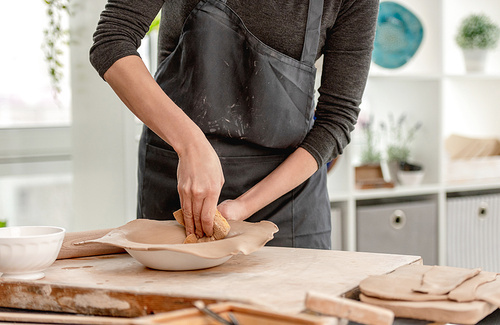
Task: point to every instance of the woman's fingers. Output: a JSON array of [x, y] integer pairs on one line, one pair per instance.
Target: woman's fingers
[[208, 214], [187, 212], [198, 209], [197, 202]]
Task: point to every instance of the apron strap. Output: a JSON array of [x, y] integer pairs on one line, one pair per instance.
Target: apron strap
[[313, 29]]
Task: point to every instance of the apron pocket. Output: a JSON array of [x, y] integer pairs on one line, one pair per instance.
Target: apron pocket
[[158, 197], [241, 173]]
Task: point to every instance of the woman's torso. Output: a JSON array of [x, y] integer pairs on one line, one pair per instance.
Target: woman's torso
[[279, 24]]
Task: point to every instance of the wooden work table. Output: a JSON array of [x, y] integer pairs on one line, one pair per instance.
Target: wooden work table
[[118, 285]]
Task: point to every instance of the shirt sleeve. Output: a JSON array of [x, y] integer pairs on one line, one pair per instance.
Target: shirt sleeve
[[121, 27], [346, 62]]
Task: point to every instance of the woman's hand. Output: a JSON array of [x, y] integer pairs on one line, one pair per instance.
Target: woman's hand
[[199, 182], [233, 210]]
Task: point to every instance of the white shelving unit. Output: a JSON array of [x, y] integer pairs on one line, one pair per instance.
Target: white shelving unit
[[433, 88]]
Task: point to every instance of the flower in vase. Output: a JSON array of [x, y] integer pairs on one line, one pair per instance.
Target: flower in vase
[[370, 154], [400, 136]]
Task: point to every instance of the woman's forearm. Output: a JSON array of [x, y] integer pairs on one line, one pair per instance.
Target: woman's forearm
[[135, 86], [296, 169], [199, 172]]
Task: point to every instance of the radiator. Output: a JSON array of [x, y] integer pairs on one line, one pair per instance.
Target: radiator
[[473, 232]]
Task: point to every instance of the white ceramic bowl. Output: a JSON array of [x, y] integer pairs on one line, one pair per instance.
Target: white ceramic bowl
[[410, 178], [26, 251]]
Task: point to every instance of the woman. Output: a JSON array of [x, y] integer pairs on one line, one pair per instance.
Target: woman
[[229, 117]]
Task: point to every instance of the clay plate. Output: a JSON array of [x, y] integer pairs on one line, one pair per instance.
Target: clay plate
[[159, 244]]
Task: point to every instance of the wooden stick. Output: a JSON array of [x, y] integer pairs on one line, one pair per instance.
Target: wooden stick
[[37, 318], [348, 309]]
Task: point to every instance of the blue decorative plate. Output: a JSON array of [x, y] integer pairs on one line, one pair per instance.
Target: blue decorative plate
[[398, 36]]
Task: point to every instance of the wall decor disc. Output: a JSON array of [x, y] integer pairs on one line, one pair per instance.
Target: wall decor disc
[[398, 36]]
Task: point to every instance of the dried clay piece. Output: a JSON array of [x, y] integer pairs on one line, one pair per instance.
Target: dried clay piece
[[440, 280], [456, 295], [490, 292], [399, 285], [437, 311], [467, 290], [221, 228]]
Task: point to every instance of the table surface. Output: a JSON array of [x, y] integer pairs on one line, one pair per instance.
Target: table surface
[[118, 285]]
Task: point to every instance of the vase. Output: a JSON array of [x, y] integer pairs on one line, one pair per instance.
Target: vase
[[390, 169], [475, 60]]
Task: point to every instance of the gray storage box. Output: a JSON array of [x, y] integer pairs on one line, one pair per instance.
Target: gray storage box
[[408, 228], [473, 232]]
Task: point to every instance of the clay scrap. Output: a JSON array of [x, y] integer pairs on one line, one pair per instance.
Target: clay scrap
[[467, 291], [435, 293], [440, 280], [145, 235]]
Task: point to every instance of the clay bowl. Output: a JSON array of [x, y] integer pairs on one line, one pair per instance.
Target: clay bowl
[[175, 261], [26, 251], [159, 244]]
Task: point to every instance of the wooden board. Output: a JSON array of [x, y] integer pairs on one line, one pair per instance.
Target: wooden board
[[244, 314], [117, 285]]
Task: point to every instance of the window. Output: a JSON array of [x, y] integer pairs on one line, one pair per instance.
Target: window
[[35, 166], [26, 95]]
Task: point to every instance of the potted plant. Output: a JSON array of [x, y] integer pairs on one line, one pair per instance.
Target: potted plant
[[369, 174], [400, 136], [476, 35]]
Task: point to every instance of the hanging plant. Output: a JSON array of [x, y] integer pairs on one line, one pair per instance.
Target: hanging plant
[[56, 39]]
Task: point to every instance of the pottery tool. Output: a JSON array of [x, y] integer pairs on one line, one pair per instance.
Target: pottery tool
[[348, 309], [200, 305]]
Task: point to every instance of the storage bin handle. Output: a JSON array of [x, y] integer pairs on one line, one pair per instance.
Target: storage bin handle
[[482, 211], [398, 219]]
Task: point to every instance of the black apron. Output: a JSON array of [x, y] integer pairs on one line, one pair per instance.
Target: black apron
[[255, 105]]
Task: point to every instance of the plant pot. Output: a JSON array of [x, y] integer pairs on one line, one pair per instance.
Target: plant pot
[[410, 178], [475, 60]]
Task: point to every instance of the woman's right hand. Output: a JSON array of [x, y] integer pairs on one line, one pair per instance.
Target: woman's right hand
[[199, 182]]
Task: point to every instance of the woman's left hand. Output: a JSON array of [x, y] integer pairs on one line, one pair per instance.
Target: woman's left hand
[[233, 210]]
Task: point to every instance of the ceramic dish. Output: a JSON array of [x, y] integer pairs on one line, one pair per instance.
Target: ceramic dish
[[159, 244], [398, 35], [174, 261], [25, 252]]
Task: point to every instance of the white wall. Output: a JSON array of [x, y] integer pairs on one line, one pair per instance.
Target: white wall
[[104, 149]]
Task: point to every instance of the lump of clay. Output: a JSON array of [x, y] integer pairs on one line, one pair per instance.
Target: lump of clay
[[221, 228]]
